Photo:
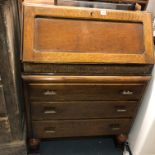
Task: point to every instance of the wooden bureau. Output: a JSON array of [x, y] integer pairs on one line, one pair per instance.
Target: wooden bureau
[[85, 71]]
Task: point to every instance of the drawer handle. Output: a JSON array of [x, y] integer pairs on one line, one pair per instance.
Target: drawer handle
[[127, 92], [115, 127], [50, 130], [50, 93], [50, 112], [121, 110]]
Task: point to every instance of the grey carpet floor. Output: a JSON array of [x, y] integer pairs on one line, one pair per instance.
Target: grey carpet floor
[[93, 146]]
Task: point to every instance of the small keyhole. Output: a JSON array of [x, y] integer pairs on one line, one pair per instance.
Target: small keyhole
[[91, 14]]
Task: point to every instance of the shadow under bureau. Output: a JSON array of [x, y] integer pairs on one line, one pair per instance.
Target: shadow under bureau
[[84, 72]]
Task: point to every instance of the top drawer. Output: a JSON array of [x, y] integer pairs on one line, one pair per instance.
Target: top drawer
[[80, 92], [61, 35], [90, 88]]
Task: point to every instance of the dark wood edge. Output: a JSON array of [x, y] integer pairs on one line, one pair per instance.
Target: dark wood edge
[[86, 69], [28, 113]]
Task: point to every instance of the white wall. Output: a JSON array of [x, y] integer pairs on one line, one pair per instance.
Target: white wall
[[151, 6], [142, 134]]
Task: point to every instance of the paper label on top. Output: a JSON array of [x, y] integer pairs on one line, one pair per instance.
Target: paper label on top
[[103, 12]]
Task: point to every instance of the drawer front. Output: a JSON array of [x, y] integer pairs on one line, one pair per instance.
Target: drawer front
[[75, 91], [2, 102], [5, 131], [82, 110], [75, 128], [86, 36]]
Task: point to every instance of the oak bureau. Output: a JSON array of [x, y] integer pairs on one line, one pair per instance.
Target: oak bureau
[[85, 70]]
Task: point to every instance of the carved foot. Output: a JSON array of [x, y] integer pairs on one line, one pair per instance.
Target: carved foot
[[120, 140], [33, 145]]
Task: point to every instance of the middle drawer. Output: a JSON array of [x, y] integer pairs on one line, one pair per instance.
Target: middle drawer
[[82, 109], [85, 92]]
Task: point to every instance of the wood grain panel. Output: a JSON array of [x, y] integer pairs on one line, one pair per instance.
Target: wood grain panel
[[86, 36]]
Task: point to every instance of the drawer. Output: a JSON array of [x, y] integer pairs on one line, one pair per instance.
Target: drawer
[[75, 128], [82, 110], [88, 92], [86, 36], [5, 131], [2, 102]]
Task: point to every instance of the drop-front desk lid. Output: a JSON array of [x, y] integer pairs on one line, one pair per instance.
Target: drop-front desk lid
[[67, 34]]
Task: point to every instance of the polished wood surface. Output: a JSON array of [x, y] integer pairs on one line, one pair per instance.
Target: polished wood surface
[[86, 79], [70, 128], [48, 47], [83, 109]]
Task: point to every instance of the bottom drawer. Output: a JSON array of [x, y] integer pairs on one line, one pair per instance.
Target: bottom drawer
[[75, 128]]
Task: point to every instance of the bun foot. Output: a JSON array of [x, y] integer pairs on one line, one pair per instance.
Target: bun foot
[[33, 145], [120, 140]]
